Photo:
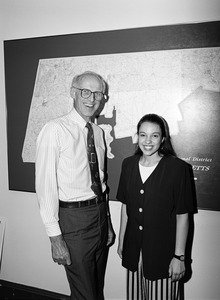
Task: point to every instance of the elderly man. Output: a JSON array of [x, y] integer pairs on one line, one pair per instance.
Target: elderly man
[[71, 189]]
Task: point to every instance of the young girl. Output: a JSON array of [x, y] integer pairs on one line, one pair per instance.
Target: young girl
[[156, 193]]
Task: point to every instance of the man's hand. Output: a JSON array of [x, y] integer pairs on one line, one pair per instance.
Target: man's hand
[[111, 233], [60, 252], [119, 250]]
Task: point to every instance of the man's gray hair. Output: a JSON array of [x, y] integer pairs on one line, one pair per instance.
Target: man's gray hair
[[76, 79]]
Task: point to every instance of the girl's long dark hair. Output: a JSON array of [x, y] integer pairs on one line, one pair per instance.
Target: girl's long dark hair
[[166, 147]]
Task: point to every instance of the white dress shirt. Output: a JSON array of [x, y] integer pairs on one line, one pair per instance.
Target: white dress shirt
[[62, 167]]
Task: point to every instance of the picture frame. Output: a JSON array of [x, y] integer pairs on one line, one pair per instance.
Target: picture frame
[[21, 63]]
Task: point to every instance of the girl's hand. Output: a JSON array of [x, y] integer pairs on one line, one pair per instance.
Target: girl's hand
[[176, 269]]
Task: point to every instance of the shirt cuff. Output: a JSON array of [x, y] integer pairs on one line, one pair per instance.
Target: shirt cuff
[[53, 229]]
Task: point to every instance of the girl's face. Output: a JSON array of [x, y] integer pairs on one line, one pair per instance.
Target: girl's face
[[149, 138]]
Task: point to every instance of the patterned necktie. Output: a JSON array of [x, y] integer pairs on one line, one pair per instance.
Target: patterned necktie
[[93, 162]]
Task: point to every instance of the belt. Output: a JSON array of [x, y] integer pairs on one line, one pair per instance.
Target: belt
[[78, 204]]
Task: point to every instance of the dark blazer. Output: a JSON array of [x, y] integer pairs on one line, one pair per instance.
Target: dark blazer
[[151, 208]]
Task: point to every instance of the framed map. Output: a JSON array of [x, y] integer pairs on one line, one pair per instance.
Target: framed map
[[173, 71]]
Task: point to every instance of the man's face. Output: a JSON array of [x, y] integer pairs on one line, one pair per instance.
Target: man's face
[[86, 107]]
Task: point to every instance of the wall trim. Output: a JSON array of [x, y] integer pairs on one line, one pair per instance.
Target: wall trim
[[33, 290]]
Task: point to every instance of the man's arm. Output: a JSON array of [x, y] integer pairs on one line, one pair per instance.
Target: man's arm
[[47, 154], [111, 233]]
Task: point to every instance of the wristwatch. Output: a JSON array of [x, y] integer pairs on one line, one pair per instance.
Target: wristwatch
[[180, 257]]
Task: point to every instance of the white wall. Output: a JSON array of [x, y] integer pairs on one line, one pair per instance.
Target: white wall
[[26, 257]]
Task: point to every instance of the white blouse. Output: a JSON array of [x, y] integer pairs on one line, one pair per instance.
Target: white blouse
[[146, 171]]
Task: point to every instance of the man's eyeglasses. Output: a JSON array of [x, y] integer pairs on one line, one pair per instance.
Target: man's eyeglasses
[[85, 93]]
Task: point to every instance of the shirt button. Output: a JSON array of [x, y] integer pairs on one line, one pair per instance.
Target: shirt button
[[140, 209], [140, 227], [142, 191]]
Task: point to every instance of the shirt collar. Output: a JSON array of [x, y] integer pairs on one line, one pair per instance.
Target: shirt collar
[[75, 117]]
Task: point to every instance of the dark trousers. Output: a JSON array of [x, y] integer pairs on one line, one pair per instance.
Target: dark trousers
[[85, 232]]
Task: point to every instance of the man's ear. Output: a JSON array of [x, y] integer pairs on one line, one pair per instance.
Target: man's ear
[[72, 92]]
